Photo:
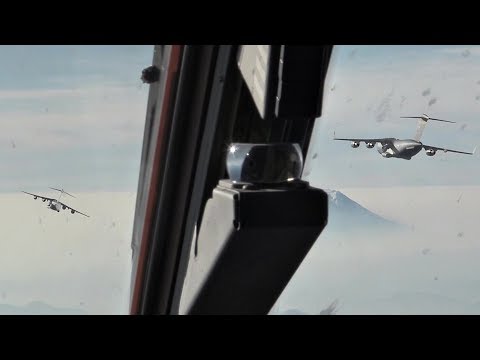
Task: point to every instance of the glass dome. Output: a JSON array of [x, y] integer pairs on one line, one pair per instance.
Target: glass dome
[[264, 163]]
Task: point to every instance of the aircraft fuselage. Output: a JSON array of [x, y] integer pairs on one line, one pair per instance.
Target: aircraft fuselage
[[402, 149], [53, 205]]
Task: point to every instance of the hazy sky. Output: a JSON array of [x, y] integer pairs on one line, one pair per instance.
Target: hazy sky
[[433, 268], [72, 116], [65, 260], [368, 88]]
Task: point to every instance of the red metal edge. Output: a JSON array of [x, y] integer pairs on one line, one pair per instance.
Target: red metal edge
[[165, 119]]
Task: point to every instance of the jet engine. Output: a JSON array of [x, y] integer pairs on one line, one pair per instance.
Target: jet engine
[[44, 200], [72, 211], [355, 144], [370, 145], [34, 198], [64, 207], [431, 152]]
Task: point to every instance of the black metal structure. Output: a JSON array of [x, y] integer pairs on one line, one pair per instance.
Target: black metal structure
[[198, 105], [251, 242]]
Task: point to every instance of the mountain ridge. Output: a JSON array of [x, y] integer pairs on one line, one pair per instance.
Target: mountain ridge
[[38, 308], [345, 213]]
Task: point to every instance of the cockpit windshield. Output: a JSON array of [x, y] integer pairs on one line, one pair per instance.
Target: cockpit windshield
[[395, 150]]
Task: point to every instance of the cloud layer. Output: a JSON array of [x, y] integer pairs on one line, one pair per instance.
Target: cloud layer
[[81, 120]]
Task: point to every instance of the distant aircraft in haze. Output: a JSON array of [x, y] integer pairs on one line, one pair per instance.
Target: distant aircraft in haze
[[404, 149], [55, 204]]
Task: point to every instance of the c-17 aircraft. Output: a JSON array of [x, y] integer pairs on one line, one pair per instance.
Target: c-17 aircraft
[[404, 149], [55, 204]]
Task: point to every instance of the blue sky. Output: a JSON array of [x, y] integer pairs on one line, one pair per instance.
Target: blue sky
[[46, 67], [368, 88], [72, 116]]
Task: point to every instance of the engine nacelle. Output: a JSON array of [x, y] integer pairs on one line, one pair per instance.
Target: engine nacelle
[[370, 145], [44, 200], [34, 198], [431, 152], [72, 211], [64, 207], [355, 144]]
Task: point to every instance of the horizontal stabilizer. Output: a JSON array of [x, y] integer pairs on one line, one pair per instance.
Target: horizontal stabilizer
[[62, 191], [426, 118]]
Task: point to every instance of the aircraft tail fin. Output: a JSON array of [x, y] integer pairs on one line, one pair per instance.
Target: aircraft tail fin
[[420, 127]]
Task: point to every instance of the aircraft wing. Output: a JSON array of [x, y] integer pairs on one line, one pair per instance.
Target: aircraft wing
[[70, 208], [41, 197], [382, 140], [427, 147]]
